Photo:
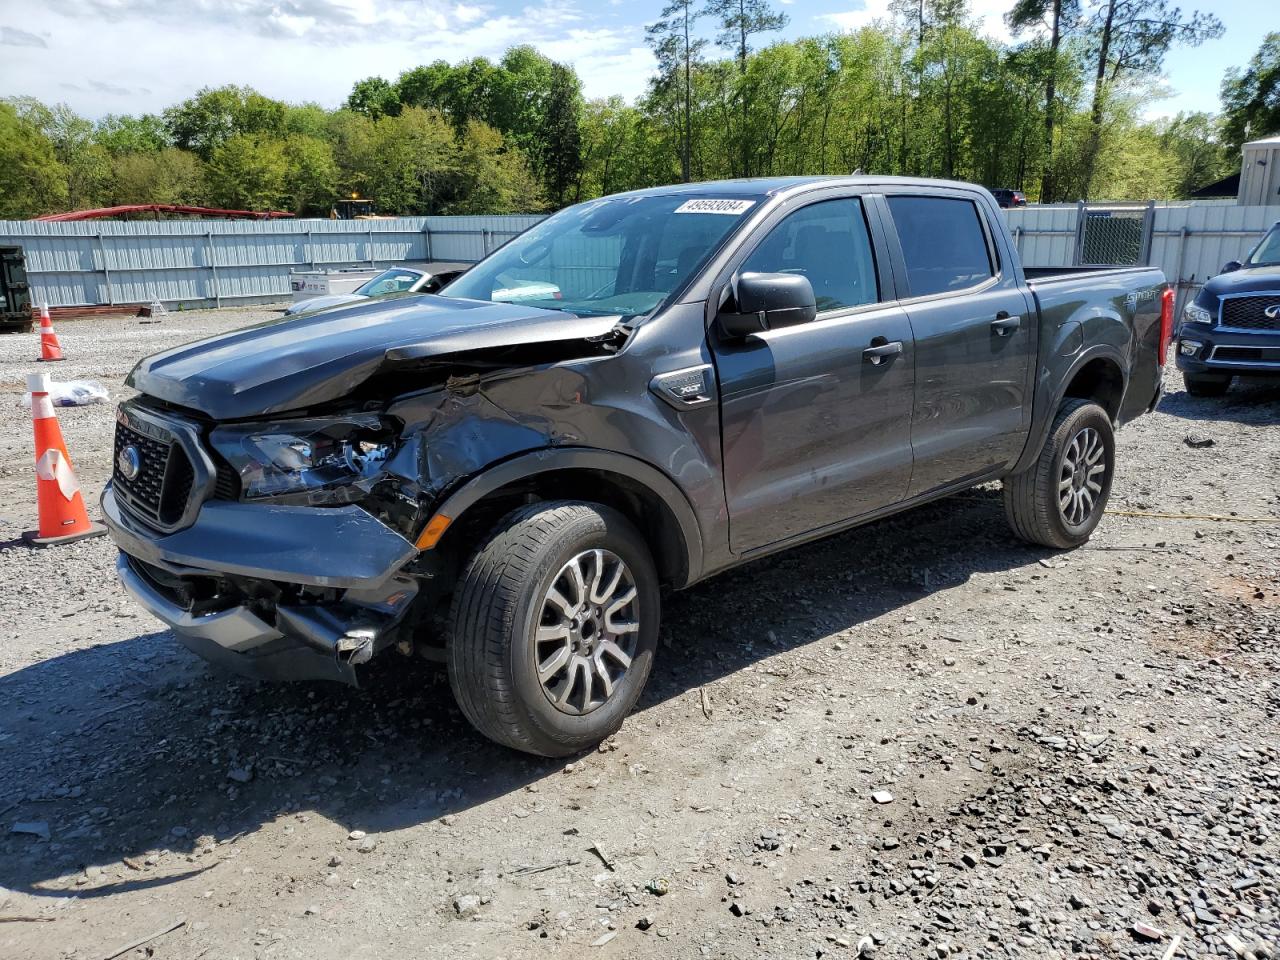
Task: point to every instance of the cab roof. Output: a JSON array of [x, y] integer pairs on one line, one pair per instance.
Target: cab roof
[[775, 186]]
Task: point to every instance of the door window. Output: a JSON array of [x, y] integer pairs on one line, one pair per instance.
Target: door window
[[828, 243], [943, 243]]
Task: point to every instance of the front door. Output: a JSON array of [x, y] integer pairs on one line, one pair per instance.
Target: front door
[[975, 341], [815, 418]]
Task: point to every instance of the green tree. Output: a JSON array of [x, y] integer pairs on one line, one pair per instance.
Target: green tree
[[737, 22], [374, 97], [405, 163], [311, 174], [558, 153], [121, 133], [215, 115], [1195, 143], [491, 177], [249, 172], [32, 181], [168, 175], [462, 93], [1130, 38], [86, 164], [1251, 97], [609, 134], [426, 86], [309, 119], [677, 50], [1060, 17]]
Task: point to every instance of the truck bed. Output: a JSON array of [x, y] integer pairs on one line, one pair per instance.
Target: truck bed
[[1116, 309], [1042, 275]]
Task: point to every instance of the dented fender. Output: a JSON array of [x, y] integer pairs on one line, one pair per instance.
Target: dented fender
[[584, 458]]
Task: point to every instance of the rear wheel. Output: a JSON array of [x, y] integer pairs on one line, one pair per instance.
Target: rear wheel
[[553, 627], [1207, 384], [1060, 500]]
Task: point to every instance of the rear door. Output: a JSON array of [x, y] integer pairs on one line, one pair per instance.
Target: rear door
[[815, 418], [974, 331]]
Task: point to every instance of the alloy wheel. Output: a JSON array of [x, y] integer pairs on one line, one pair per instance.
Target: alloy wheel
[[587, 631], [1081, 477]]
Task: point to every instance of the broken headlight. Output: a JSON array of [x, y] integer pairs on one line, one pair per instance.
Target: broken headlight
[[314, 457]]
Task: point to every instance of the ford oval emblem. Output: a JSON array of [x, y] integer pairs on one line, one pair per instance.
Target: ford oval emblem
[[1273, 312], [129, 462]]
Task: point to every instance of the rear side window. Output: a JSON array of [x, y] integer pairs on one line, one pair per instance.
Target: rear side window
[[943, 243], [827, 242]]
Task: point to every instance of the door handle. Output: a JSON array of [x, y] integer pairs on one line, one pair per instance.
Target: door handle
[[1003, 324], [881, 350]]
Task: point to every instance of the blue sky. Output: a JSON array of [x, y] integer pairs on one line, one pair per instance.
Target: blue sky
[[117, 56]]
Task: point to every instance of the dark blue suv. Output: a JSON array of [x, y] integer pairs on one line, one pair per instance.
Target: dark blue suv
[[1233, 327]]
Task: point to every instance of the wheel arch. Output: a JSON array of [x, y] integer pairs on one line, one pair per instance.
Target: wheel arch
[[646, 496], [1096, 374]]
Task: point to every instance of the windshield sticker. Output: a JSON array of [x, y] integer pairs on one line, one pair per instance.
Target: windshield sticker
[[732, 208]]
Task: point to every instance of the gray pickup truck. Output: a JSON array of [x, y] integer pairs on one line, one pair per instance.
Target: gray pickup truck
[[725, 370]]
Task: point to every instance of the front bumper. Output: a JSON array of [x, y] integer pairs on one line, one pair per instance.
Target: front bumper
[[343, 555], [314, 546], [1247, 353]]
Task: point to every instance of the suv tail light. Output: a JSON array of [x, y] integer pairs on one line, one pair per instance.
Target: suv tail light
[[1166, 322]]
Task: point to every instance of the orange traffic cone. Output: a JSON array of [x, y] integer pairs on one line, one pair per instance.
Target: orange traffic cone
[[50, 348], [62, 514]]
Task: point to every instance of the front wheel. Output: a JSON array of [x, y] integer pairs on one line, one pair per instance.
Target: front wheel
[[1060, 500], [1207, 384], [553, 627]]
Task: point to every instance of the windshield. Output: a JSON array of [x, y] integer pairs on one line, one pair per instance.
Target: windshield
[[1267, 253], [395, 280], [621, 255]]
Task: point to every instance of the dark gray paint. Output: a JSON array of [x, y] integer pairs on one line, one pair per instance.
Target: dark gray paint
[[305, 545], [796, 435]]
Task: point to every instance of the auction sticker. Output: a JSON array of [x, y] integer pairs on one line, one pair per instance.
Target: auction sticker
[[732, 208]]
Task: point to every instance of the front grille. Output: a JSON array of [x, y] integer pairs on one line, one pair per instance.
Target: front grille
[[161, 489], [226, 483], [1250, 313]]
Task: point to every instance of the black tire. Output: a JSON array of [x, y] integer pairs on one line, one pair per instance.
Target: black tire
[[1207, 384], [502, 599], [1032, 501]]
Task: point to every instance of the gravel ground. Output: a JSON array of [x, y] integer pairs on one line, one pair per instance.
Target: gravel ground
[[919, 739]]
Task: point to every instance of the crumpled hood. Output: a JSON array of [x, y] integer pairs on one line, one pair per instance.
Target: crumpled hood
[[294, 362]]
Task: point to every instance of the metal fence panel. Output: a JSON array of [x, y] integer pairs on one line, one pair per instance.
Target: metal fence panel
[[1188, 241], [210, 262], [1045, 236]]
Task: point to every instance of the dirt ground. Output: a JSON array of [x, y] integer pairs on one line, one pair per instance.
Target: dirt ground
[[1079, 753]]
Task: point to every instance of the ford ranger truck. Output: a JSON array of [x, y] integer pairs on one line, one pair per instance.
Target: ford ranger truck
[[727, 370], [1232, 328]]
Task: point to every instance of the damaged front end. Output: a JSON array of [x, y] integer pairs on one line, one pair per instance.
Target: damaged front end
[[283, 546]]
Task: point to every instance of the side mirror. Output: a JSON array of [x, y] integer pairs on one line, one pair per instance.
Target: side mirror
[[766, 301], [1231, 266]]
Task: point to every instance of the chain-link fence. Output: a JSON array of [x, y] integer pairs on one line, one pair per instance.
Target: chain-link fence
[[1114, 234]]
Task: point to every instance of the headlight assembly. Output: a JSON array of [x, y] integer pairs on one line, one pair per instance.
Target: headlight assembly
[[1194, 314], [315, 456]]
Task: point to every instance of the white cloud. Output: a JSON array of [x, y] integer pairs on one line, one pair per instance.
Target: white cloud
[[13, 37], [990, 13], [299, 50], [859, 17]]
